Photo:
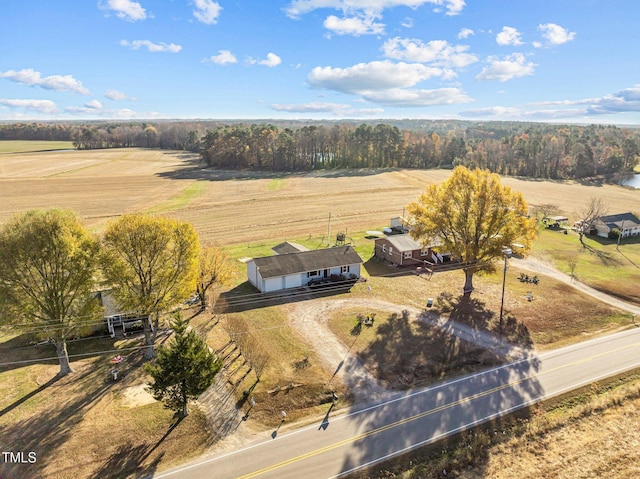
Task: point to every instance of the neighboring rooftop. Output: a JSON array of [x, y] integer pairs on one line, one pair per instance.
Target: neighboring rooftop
[[617, 220], [288, 247]]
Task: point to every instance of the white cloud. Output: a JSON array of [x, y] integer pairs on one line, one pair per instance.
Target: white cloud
[[151, 46], [377, 75], [124, 9], [623, 101], [509, 36], [417, 97], [54, 82], [271, 61], [512, 66], [387, 83], [619, 102], [313, 107], [465, 33], [207, 11], [223, 57], [357, 25], [94, 104], [555, 34], [336, 109], [299, 7], [438, 52], [41, 106], [117, 95], [407, 22]]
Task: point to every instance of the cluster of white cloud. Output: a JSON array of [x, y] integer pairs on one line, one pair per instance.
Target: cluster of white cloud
[[124, 9], [436, 52], [207, 11], [387, 83], [40, 106], [361, 17], [151, 46], [271, 61], [509, 36], [626, 100], [551, 33], [225, 57], [357, 25], [31, 77], [510, 67], [298, 8]]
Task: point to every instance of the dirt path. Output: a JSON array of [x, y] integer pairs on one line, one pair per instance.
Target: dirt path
[[539, 266], [310, 320]]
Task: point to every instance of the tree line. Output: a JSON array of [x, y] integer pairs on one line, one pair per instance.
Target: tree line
[[536, 150]]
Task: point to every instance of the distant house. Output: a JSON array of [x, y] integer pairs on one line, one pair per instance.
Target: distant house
[[296, 269], [115, 321], [403, 250], [626, 223]]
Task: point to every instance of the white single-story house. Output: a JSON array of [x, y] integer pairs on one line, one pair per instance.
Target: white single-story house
[[403, 250], [293, 270], [626, 223]]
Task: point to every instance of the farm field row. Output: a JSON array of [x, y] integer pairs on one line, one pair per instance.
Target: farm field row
[[238, 207]]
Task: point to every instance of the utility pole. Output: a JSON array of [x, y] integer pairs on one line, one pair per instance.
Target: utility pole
[[619, 235], [504, 281], [329, 232]]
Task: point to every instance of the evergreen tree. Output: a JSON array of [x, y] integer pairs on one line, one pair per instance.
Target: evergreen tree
[[184, 370]]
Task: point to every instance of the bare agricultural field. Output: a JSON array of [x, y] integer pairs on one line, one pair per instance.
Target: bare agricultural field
[[95, 184], [235, 207]]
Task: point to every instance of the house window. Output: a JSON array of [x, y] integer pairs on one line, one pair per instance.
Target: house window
[[390, 250], [384, 248], [424, 252], [344, 269], [311, 274], [407, 254]]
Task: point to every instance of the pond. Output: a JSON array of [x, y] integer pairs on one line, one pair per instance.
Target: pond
[[633, 182]]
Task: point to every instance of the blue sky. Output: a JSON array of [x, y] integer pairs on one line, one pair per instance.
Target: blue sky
[[526, 60]]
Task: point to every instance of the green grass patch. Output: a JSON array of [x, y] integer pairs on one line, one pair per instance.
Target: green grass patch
[[275, 184], [601, 263], [23, 146], [184, 198]]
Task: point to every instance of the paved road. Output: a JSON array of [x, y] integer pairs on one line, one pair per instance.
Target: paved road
[[338, 444]]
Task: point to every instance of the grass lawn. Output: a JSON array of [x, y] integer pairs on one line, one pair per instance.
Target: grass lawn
[[85, 425], [22, 146], [600, 263]]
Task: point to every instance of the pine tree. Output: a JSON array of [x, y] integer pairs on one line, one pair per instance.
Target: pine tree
[[184, 370]]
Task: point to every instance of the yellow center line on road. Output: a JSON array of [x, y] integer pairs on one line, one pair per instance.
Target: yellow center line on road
[[424, 414]]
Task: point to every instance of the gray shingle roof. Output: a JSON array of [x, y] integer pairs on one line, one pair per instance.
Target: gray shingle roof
[[281, 265], [288, 247], [615, 221], [404, 243]]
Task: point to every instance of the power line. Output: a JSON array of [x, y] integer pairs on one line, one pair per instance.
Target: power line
[[55, 358]]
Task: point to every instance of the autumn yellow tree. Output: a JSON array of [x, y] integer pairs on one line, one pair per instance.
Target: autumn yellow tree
[[472, 216], [152, 262], [215, 269], [48, 263]]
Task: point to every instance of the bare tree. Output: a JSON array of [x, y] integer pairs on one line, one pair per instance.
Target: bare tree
[[592, 211]]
